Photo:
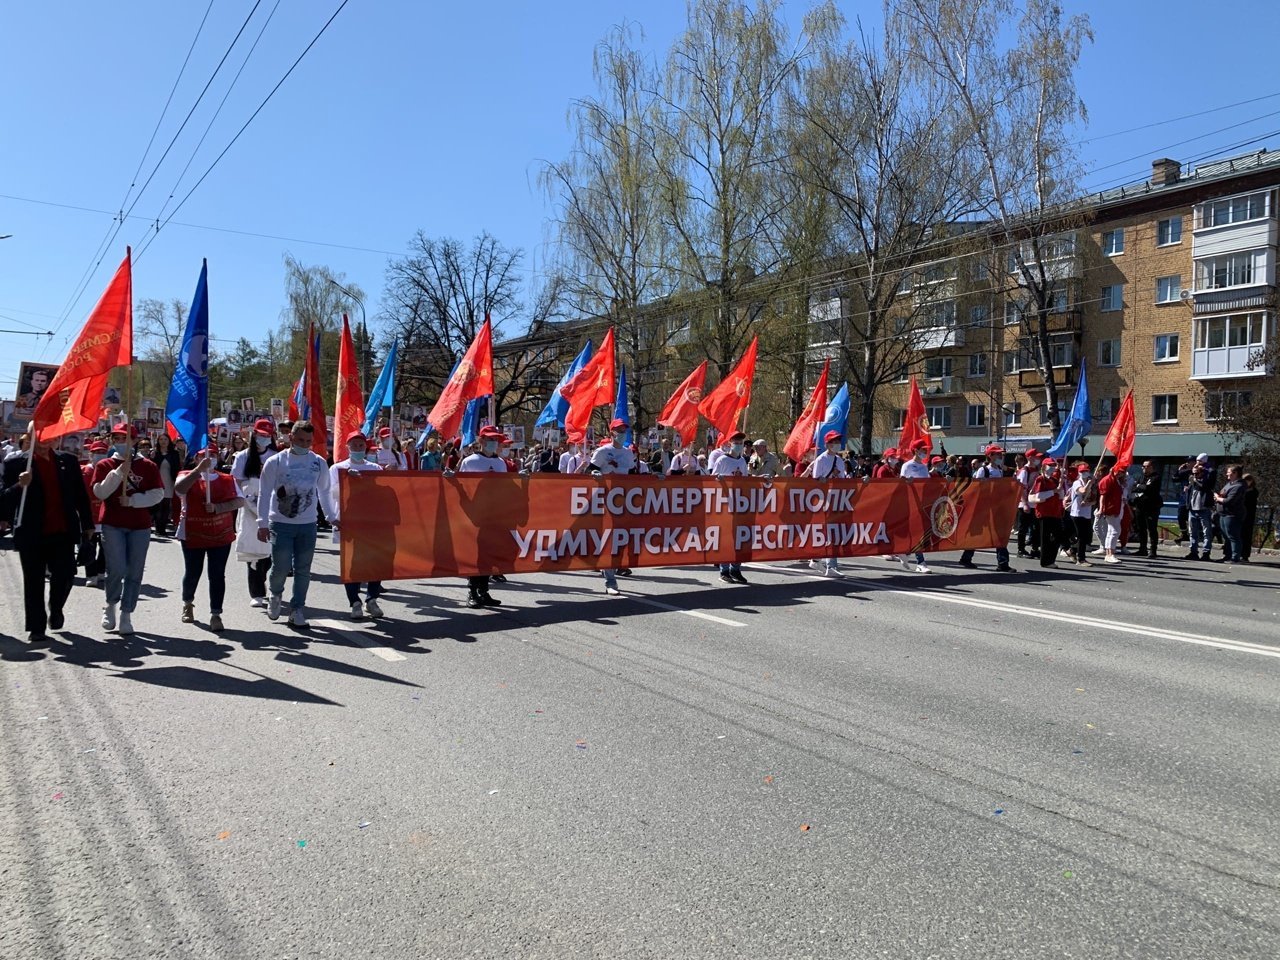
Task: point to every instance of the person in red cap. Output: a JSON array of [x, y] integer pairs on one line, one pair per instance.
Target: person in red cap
[[389, 455], [357, 462], [1046, 495], [916, 469], [91, 558], [732, 463], [486, 459], [1110, 507], [1082, 496], [1028, 527], [992, 468], [207, 528], [828, 465], [128, 487], [612, 457], [887, 468], [246, 467]]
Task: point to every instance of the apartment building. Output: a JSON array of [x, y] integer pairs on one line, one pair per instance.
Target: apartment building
[[1167, 287]]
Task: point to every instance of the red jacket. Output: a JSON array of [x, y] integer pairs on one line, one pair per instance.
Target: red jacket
[[1110, 496], [1051, 507]]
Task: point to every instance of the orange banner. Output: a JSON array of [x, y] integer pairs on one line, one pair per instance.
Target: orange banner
[[398, 526]]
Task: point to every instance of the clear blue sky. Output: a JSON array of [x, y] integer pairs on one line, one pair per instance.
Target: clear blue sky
[[428, 115]]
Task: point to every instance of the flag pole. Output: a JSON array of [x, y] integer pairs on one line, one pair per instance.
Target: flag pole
[[31, 452]]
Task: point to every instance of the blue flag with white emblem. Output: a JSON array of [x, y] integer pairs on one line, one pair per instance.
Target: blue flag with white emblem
[[1078, 423], [383, 393], [556, 408], [187, 409], [837, 416]]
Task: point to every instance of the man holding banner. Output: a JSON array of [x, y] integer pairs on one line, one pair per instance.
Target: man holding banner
[[486, 460], [732, 463]]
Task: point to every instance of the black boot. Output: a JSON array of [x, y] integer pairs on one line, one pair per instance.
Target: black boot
[[473, 599]]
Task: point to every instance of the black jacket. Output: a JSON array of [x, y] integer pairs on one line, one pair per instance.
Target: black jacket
[[75, 499], [1146, 493]]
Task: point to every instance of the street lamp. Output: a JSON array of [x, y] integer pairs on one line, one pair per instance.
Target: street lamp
[[364, 328]]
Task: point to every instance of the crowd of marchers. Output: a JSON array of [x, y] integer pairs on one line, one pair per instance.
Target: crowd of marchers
[[265, 499]]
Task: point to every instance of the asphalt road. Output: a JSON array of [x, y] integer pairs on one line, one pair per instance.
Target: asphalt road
[[1080, 763]]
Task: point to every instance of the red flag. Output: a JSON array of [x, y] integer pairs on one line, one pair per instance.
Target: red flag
[[801, 438], [472, 378], [348, 414], [681, 411], [294, 413], [916, 424], [723, 405], [1124, 430], [315, 396], [73, 399], [591, 387]]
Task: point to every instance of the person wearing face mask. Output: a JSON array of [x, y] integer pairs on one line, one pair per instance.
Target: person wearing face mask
[[1046, 496], [609, 458], [207, 528], [1110, 505], [732, 464], [357, 462], [992, 468], [916, 468], [887, 468], [487, 459], [128, 487], [53, 522], [828, 465], [246, 468], [571, 459], [388, 455], [91, 557], [293, 484], [1028, 528], [1081, 498]]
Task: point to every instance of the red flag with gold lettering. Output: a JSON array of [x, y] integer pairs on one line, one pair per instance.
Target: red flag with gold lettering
[[723, 405], [73, 400], [681, 411], [1124, 430], [801, 440], [348, 414], [915, 426], [591, 387], [471, 378]]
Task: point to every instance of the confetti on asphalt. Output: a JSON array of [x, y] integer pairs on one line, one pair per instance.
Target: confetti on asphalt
[[998, 811], [1079, 689], [416, 696], [581, 744], [42, 718], [493, 793], [1068, 874], [1076, 752], [721, 737], [1090, 726], [804, 827], [768, 779], [363, 823], [302, 844], [92, 750], [224, 835], [57, 796]]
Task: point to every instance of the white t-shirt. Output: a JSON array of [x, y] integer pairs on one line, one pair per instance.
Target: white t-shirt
[[479, 463], [389, 458], [826, 465], [913, 469], [712, 457], [729, 466], [610, 459], [290, 488], [570, 462], [686, 461], [1078, 507]]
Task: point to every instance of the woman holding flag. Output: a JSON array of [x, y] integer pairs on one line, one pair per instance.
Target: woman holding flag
[[207, 528]]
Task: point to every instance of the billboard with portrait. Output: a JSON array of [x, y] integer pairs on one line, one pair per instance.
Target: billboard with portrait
[[33, 380]]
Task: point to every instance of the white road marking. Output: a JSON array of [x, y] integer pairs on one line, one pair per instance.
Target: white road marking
[[1118, 626], [350, 630], [723, 621]]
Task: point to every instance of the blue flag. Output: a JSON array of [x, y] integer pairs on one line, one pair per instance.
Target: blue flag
[[471, 418], [1078, 423], [837, 416], [383, 393], [622, 404], [558, 406], [187, 409]]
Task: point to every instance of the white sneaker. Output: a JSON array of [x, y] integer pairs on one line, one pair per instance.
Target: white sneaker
[[257, 601], [371, 609], [357, 611], [906, 564], [923, 568], [126, 625], [891, 557], [813, 564], [1097, 553], [612, 590], [831, 572], [297, 618], [109, 617], [1112, 560], [95, 581], [273, 608]]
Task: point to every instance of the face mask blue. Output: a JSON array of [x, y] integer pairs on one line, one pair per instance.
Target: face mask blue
[[262, 442], [357, 456], [119, 450], [491, 447], [299, 451]]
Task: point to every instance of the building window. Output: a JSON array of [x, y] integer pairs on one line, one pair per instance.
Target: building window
[[1109, 353], [1223, 403], [939, 417], [1227, 346], [940, 315], [937, 272], [1166, 347], [979, 316], [1056, 299], [1113, 242], [1108, 408], [1013, 414], [975, 416], [935, 368], [1012, 314], [1221, 213], [1169, 232], [1168, 289], [1233, 270], [1113, 298], [899, 419], [906, 284], [981, 269], [904, 373], [678, 329], [978, 365], [1064, 406], [1062, 351], [1164, 408]]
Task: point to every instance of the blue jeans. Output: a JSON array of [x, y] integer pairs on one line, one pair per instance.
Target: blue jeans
[[1232, 528], [292, 547], [126, 554], [730, 568], [1201, 531]]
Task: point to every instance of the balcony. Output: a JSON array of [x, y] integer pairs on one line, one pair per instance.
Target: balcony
[[940, 338], [1224, 346], [1062, 376], [942, 387]]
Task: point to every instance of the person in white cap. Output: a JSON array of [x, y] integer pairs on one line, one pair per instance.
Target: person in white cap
[[828, 465], [611, 458], [732, 463], [763, 463], [128, 487], [916, 468], [357, 462], [207, 528], [486, 459]]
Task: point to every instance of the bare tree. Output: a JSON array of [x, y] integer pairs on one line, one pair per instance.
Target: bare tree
[[610, 223], [887, 149], [1020, 105], [314, 296], [1250, 423]]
